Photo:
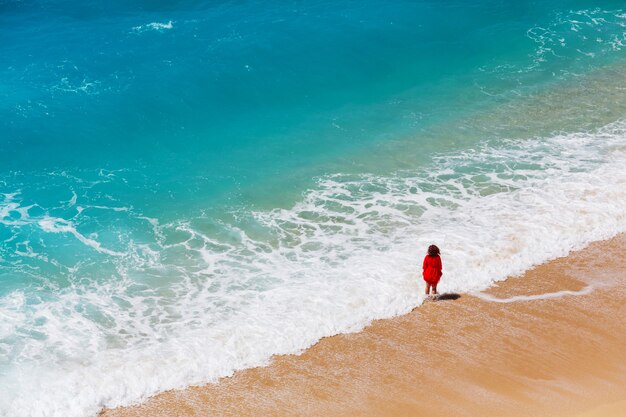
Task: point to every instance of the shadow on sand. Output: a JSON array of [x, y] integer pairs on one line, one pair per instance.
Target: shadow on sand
[[447, 296]]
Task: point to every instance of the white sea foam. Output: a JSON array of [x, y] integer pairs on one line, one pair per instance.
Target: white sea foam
[[55, 225], [154, 26], [545, 296], [348, 253], [590, 32]]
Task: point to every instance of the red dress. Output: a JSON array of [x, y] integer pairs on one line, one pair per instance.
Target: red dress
[[432, 269]]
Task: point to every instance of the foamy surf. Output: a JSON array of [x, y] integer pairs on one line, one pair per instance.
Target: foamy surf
[[155, 26], [347, 254], [545, 296]]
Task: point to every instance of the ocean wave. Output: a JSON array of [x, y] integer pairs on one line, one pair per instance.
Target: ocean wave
[[187, 303], [157, 26], [590, 33]]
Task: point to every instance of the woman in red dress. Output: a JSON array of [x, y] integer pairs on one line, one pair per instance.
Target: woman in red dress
[[432, 269]]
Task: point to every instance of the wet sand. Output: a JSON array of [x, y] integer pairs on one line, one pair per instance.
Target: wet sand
[[464, 356]]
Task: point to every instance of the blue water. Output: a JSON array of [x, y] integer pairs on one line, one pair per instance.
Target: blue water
[[171, 170]]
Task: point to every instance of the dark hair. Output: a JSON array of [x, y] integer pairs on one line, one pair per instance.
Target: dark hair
[[433, 250]]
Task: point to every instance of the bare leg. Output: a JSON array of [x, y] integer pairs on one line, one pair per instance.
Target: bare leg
[[427, 288], [434, 287]]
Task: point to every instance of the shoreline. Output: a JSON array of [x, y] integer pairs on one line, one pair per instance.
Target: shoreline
[[537, 354]]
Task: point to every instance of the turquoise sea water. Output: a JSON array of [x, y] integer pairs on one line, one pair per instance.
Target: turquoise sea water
[[187, 188]]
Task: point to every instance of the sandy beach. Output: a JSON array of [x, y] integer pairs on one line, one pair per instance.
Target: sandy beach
[[550, 343]]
